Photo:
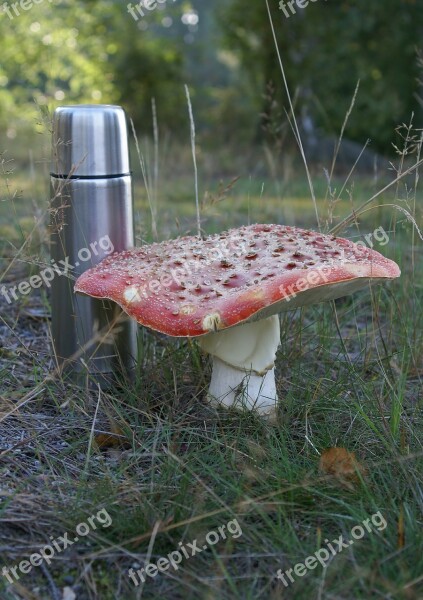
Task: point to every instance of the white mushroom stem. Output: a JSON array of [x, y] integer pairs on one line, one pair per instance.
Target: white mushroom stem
[[243, 365], [232, 387]]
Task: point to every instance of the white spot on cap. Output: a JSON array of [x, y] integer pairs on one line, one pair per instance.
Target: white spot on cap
[[212, 322], [188, 309], [131, 295]]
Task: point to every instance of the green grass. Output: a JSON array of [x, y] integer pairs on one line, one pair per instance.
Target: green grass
[[349, 374]]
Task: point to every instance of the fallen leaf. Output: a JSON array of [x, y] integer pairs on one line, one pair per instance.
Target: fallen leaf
[[111, 440], [342, 464], [115, 439]]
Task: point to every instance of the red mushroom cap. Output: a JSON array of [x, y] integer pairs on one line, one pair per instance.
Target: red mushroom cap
[[189, 286]]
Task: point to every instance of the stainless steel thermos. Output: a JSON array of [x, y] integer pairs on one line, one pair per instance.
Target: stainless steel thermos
[[91, 217]]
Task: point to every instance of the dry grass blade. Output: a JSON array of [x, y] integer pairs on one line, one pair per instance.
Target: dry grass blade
[[294, 120], [194, 158], [146, 183], [353, 216]]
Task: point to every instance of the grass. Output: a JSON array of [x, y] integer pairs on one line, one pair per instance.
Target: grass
[[349, 374]]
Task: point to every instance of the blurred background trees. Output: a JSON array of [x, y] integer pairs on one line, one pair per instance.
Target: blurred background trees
[[94, 51], [327, 48]]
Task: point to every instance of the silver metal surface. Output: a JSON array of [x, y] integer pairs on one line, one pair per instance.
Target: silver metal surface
[[90, 141], [90, 218]]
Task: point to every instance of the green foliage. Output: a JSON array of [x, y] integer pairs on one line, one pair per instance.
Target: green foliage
[[70, 54], [147, 69], [326, 48], [95, 51], [52, 57]]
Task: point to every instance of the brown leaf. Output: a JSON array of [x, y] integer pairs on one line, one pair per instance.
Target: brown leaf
[[106, 440], [342, 464], [115, 439]]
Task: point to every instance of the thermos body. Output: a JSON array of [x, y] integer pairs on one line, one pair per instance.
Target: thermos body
[[91, 217]]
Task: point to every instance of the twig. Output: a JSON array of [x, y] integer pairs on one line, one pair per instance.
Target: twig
[[55, 594], [156, 151], [341, 135], [294, 120], [352, 216], [90, 441], [147, 187], [149, 553], [192, 122]]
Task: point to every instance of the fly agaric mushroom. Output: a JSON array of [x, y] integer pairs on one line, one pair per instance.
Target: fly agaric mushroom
[[227, 290]]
